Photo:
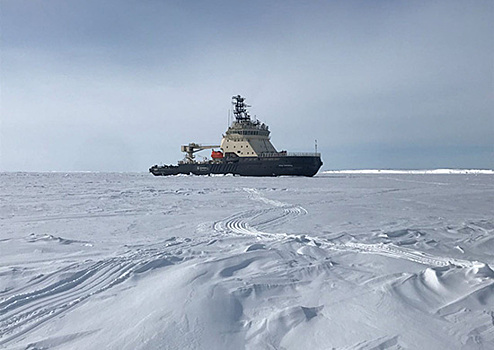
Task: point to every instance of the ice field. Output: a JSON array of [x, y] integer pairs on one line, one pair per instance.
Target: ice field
[[338, 261]]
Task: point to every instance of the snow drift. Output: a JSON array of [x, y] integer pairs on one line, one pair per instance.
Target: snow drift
[[129, 261]]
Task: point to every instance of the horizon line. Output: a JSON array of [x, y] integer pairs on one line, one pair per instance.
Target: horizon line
[[436, 171]]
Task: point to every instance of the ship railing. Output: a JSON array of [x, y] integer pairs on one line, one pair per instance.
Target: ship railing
[[273, 154], [304, 154], [292, 154]]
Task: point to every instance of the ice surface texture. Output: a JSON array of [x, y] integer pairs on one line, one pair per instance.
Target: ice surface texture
[[343, 261]]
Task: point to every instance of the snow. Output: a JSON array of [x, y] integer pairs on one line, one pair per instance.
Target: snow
[[415, 172], [338, 261]]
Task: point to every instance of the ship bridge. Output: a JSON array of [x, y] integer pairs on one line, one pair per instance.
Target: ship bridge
[[245, 137]]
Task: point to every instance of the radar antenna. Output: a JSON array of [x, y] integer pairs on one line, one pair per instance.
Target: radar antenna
[[240, 108]]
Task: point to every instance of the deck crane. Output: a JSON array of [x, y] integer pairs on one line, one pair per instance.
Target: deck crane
[[192, 148]]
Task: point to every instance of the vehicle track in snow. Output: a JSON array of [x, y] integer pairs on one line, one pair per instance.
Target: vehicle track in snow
[[259, 222], [393, 251], [48, 296]]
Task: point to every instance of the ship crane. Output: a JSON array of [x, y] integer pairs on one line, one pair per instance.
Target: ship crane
[[192, 148]]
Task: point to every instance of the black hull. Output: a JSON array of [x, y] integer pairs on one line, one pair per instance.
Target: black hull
[[247, 166]]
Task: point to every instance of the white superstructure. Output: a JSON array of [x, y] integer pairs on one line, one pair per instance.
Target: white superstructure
[[244, 137]]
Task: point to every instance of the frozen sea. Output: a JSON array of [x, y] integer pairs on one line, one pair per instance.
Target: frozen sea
[[338, 261]]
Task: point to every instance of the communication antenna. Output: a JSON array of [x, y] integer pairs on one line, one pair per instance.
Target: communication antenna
[[315, 145], [240, 108]]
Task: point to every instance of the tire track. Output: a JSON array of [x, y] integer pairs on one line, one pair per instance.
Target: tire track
[[393, 251], [258, 222], [24, 310]]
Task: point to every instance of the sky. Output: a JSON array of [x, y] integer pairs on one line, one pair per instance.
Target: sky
[[120, 85]]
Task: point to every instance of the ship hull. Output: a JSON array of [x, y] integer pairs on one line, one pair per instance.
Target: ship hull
[[247, 166]]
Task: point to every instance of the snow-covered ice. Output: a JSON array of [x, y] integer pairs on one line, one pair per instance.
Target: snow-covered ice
[[338, 261], [414, 172]]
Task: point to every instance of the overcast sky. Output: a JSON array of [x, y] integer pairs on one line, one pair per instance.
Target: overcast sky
[[120, 85]]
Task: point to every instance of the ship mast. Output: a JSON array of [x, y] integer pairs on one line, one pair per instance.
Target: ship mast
[[240, 108]]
